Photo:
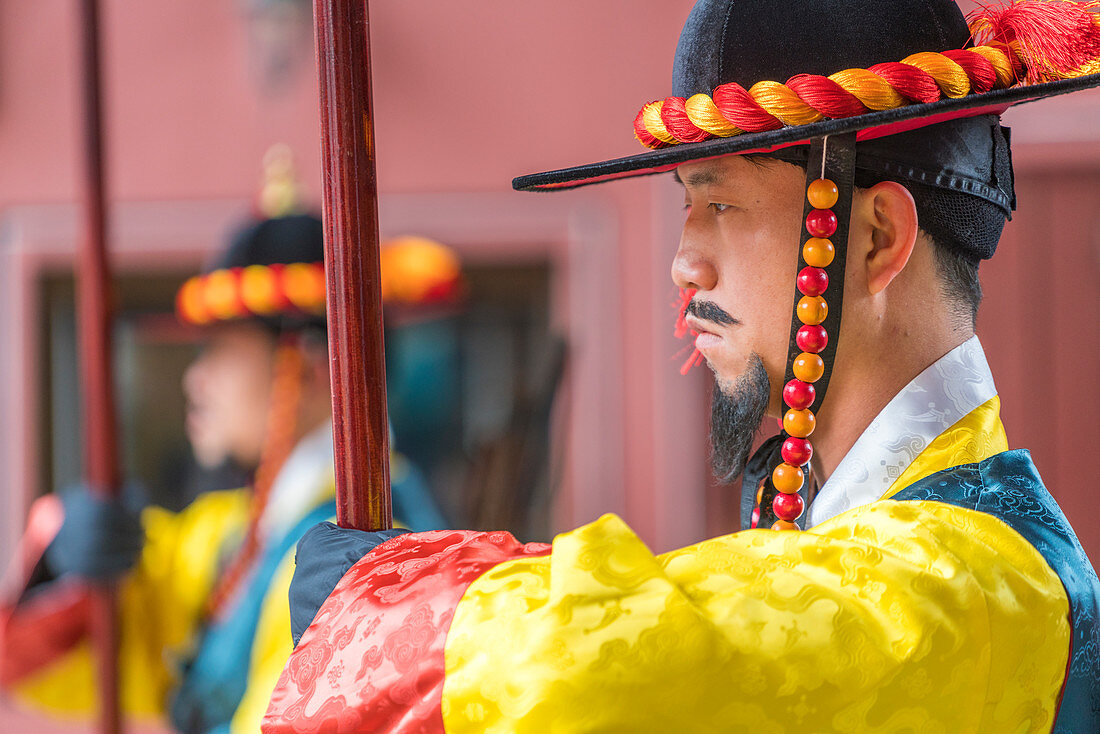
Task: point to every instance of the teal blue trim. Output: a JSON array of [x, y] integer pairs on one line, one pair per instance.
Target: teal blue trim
[[413, 503], [1008, 486], [217, 678]]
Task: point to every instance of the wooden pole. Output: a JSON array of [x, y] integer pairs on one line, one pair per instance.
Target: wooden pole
[[101, 470], [356, 353]]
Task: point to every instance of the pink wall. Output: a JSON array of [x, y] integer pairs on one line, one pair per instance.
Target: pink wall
[[470, 94]]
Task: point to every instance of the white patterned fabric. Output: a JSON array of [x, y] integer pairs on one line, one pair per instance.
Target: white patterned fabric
[[301, 484], [932, 402]]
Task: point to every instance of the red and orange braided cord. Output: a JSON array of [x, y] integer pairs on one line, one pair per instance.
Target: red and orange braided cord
[[806, 98], [1022, 42]]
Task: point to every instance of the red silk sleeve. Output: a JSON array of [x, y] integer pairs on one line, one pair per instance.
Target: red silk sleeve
[[373, 658], [48, 623], [43, 628]]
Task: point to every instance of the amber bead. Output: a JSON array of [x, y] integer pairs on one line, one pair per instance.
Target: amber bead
[[812, 338], [818, 252], [190, 304], [822, 194], [808, 367], [799, 423], [260, 289], [784, 525], [760, 492], [788, 507], [812, 310], [787, 478], [821, 223], [798, 394], [796, 452], [222, 296]]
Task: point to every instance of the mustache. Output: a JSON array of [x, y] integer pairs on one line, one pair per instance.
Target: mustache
[[708, 311]]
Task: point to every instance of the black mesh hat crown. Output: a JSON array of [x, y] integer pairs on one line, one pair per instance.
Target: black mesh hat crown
[[962, 170]]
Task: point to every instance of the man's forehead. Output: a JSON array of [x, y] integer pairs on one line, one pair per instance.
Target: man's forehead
[[697, 174], [734, 171], [726, 170]]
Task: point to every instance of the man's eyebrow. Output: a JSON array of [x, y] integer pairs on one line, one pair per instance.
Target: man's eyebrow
[[698, 179]]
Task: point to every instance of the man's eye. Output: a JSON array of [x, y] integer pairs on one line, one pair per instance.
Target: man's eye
[[719, 208]]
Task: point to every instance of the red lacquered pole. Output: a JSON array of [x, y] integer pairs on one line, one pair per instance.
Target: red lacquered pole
[[94, 328], [356, 353]]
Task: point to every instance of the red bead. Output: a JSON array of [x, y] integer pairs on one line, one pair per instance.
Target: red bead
[[812, 338], [788, 507], [812, 281], [821, 223], [798, 394], [755, 518], [797, 451]]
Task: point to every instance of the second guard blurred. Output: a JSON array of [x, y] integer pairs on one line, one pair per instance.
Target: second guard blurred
[[205, 623]]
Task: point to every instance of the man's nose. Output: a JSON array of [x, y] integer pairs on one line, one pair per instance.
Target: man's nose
[[192, 377], [692, 267]]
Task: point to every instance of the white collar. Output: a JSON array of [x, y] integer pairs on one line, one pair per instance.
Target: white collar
[[935, 400], [304, 476]]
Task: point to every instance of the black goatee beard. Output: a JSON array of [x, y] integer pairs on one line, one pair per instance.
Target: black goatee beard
[[735, 417]]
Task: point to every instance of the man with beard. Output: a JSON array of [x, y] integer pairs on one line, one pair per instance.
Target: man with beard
[[901, 569]]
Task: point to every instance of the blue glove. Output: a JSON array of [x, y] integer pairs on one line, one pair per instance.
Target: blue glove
[[325, 553], [99, 538]]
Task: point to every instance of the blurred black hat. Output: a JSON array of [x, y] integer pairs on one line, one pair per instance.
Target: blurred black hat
[[273, 270]]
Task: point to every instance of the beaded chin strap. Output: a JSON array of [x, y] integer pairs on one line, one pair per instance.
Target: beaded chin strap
[[782, 497]]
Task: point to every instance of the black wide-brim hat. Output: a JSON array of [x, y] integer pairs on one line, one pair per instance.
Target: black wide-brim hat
[[272, 273], [877, 68]]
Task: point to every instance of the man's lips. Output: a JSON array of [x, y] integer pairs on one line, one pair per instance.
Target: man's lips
[[706, 332], [706, 341], [701, 326]]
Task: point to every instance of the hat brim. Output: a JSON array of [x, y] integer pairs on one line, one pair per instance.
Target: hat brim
[[868, 126]]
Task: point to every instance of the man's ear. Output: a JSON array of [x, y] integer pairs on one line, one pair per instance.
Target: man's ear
[[893, 233]]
